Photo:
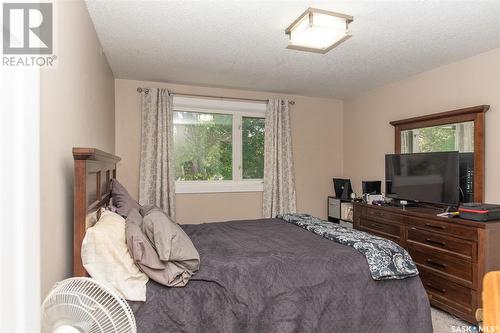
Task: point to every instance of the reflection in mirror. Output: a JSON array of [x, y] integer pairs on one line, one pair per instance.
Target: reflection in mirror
[[449, 137]]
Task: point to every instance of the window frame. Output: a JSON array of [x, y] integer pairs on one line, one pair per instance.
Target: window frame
[[238, 110]]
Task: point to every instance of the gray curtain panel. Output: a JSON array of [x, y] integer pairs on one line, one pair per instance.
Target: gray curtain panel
[[157, 183], [279, 184]]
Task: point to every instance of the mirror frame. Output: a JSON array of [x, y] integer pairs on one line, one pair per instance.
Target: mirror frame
[[474, 113]]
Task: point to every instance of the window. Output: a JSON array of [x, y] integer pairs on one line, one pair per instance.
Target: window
[[253, 148], [203, 146], [218, 145]]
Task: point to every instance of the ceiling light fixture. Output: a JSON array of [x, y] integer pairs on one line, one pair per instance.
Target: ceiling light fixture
[[318, 30]]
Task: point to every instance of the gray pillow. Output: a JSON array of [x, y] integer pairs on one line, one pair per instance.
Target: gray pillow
[[173, 273], [139, 245], [168, 238], [122, 199]]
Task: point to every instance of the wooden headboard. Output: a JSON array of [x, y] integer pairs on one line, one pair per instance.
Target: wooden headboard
[[93, 171]]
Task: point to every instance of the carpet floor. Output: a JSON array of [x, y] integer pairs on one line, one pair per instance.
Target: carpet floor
[[443, 322]]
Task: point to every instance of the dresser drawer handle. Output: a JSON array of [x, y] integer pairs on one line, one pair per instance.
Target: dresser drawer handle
[[441, 290], [432, 262], [440, 227], [378, 226], [432, 241]]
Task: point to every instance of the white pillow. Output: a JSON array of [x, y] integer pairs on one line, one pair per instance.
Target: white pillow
[[91, 218], [106, 258]]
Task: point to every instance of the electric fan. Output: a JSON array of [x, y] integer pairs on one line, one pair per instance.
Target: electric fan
[[83, 305]]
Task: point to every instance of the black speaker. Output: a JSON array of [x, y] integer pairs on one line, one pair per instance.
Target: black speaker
[[371, 186], [466, 166]]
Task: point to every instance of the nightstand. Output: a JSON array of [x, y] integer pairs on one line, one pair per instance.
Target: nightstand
[[340, 211]]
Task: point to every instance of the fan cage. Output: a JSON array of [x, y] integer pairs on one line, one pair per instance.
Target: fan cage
[[87, 305]]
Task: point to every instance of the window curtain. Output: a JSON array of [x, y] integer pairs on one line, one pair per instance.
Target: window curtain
[[405, 141], [279, 184], [157, 183]]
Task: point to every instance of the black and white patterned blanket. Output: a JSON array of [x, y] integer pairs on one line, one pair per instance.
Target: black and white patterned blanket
[[386, 259]]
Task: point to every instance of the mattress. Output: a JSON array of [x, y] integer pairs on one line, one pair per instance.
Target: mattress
[[267, 275]]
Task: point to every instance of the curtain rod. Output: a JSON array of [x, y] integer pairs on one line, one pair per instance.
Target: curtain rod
[[139, 90]]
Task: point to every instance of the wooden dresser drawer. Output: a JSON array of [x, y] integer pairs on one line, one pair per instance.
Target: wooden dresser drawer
[[447, 292], [459, 270], [380, 227], [380, 214], [442, 227], [453, 255], [380, 234], [444, 244]]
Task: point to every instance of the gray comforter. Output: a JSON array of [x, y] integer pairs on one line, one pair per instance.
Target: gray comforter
[[271, 276]]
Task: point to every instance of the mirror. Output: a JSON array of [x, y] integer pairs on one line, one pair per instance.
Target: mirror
[[459, 130], [448, 137]]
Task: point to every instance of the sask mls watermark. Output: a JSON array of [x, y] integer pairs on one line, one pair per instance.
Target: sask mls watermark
[[28, 34]]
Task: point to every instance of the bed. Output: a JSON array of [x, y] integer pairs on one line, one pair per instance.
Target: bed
[[262, 275]]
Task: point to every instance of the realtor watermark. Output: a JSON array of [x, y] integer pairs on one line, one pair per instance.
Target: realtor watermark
[[28, 34], [474, 329]]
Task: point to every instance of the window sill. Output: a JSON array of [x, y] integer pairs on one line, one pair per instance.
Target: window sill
[[251, 185]]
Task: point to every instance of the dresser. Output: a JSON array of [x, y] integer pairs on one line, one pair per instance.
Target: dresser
[[452, 255]]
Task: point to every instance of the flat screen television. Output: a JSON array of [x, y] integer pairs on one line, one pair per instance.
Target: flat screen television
[[423, 177]]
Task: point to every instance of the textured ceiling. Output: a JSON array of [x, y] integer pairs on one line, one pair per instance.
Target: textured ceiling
[[241, 44]]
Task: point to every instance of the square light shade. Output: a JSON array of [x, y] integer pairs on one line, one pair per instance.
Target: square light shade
[[318, 30]]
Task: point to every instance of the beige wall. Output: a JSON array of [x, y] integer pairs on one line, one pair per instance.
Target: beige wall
[[368, 135], [77, 109], [317, 150]]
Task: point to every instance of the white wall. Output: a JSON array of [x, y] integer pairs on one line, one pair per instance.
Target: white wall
[[368, 136], [19, 200]]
